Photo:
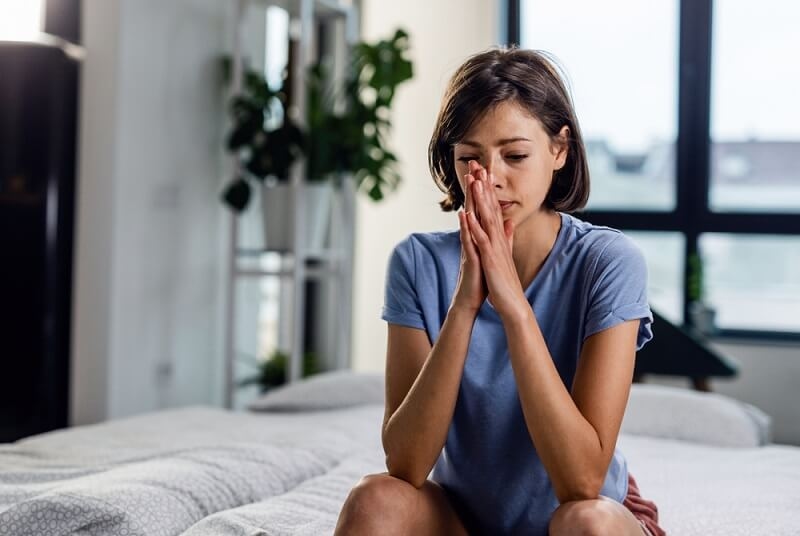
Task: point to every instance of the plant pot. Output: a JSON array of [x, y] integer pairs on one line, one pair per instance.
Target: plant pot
[[703, 317], [277, 208]]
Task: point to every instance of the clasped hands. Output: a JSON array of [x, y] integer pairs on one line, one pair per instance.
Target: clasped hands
[[487, 264]]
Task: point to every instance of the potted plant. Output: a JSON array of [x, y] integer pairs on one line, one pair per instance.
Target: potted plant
[[267, 142], [271, 372], [701, 315], [345, 132]]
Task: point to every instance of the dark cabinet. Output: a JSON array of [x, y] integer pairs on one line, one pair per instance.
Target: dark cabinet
[[38, 116]]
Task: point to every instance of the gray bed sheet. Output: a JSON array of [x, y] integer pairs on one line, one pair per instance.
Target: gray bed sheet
[[160, 474], [203, 472]]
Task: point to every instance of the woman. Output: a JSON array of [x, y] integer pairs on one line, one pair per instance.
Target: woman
[[512, 341]]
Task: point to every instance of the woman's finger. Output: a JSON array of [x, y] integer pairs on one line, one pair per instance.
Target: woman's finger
[[479, 235], [493, 201], [487, 214], [467, 241], [474, 168], [508, 230], [468, 201]]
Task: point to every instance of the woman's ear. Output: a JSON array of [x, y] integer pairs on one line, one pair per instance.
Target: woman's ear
[[561, 146]]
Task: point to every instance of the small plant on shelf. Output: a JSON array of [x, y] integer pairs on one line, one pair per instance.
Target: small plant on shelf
[[272, 372]]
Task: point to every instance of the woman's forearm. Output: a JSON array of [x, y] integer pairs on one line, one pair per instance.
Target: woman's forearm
[[565, 441], [415, 434]]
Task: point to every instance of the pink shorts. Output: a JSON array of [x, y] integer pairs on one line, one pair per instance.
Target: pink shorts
[[643, 510]]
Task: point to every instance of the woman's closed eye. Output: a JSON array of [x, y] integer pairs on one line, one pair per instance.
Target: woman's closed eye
[[512, 157]]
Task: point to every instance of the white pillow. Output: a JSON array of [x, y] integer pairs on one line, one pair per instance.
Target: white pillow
[[707, 418], [327, 390], [653, 410]]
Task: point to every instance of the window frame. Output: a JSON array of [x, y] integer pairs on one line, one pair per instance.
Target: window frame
[[692, 215]]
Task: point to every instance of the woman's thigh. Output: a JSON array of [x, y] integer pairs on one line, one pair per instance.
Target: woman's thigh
[[393, 506]]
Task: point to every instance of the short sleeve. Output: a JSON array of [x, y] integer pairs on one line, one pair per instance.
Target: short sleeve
[[401, 303], [618, 290]]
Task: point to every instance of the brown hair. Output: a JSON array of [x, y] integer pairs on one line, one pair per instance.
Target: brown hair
[[529, 78]]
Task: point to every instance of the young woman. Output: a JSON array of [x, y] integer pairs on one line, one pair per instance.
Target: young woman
[[512, 340]]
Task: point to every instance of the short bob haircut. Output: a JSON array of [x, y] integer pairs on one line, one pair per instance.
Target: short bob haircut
[[529, 78]]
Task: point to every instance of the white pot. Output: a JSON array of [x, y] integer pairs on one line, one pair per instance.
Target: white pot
[[277, 208]]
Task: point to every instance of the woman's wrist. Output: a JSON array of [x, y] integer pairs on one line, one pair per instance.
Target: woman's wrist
[[460, 310], [521, 314]]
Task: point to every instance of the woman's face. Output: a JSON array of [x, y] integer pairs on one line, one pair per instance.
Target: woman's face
[[513, 145]]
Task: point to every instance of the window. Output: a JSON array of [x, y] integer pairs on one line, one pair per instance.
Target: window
[[675, 87], [629, 126], [755, 157], [664, 253], [753, 281]]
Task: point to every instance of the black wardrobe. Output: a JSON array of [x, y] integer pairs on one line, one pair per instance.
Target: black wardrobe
[[38, 133]]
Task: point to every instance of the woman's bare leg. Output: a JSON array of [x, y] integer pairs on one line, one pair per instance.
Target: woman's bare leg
[[383, 504]]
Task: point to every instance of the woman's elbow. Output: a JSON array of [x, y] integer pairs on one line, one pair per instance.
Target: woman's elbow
[[403, 471]]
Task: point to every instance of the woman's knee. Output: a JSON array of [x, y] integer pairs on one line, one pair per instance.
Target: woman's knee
[[583, 518], [379, 496]]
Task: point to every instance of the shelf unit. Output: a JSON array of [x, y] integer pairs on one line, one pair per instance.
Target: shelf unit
[[335, 263]]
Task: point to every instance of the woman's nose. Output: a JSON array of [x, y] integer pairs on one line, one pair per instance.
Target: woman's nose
[[493, 166], [497, 175]]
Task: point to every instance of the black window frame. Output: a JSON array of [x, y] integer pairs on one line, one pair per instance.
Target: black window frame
[[692, 215]]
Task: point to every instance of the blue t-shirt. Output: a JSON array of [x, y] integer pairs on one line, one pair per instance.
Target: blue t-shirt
[[593, 279]]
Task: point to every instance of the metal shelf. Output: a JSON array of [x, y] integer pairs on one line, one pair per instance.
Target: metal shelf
[[334, 263], [325, 255], [322, 8], [310, 273]]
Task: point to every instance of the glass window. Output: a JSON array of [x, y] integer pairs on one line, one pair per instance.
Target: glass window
[[755, 132], [664, 253], [621, 60], [752, 280]]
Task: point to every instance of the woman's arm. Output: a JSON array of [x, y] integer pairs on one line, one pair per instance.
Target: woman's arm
[[422, 383], [421, 389], [574, 434]]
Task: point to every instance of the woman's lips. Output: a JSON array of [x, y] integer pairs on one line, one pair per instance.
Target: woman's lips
[[505, 205]]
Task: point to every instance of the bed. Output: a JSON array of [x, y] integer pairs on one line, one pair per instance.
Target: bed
[[287, 468]]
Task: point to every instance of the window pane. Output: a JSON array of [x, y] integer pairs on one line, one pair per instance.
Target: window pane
[[664, 253], [621, 60], [752, 280], [755, 159]]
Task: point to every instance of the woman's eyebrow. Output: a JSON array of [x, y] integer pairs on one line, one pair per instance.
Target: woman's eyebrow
[[504, 141]]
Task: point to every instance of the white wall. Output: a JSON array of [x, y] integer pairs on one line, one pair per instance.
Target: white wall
[[443, 34], [147, 313]]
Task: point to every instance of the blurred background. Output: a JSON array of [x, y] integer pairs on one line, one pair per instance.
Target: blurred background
[[130, 282]]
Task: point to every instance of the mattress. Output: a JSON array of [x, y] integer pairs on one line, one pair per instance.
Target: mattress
[[204, 471]]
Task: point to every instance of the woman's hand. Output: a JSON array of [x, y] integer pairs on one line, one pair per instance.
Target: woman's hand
[[471, 290], [494, 239]]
